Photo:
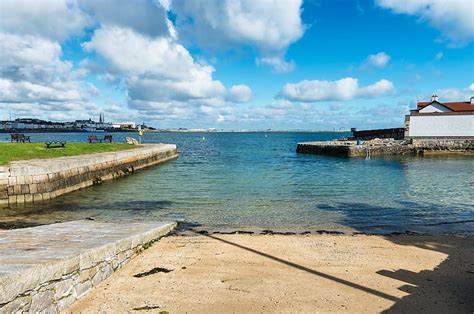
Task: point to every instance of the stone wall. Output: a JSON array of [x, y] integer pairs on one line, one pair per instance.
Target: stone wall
[[388, 147], [427, 146], [40, 180], [47, 268]]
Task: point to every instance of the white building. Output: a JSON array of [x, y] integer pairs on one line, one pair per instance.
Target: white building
[[125, 125], [441, 120]]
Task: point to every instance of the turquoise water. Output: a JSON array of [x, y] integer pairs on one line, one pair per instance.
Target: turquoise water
[[257, 181]]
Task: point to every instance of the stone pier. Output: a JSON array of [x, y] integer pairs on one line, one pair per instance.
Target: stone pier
[[389, 147], [36, 181], [47, 268]]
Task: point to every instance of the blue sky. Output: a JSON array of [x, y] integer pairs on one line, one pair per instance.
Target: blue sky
[[282, 64]]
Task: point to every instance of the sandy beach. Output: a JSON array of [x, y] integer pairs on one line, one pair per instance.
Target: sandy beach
[[241, 273]]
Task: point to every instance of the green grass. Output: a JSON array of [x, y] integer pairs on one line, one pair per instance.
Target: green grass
[[25, 151]]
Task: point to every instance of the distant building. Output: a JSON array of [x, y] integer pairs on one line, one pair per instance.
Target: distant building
[[436, 119], [124, 125]]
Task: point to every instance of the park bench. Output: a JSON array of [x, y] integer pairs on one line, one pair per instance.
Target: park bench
[[108, 138], [20, 138], [94, 138], [55, 144]]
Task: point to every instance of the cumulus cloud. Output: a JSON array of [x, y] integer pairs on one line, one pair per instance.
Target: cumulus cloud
[[144, 16], [53, 19], [240, 93], [32, 72], [270, 26], [163, 81], [378, 60], [340, 90], [452, 18], [455, 94], [278, 64]]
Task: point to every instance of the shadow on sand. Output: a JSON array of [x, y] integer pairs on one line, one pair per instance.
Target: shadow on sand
[[449, 288]]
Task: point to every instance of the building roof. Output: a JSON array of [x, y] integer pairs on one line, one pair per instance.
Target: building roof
[[454, 106]]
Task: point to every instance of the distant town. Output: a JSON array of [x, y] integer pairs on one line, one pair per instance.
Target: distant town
[[37, 125], [32, 125]]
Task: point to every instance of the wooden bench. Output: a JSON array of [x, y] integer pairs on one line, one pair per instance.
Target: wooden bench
[[94, 138], [20, 138], [108, 138], [55, 144]]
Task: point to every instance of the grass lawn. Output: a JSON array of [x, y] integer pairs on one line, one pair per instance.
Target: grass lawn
[[24, 151]]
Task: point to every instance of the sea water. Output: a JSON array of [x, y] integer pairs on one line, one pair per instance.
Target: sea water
[[248, 181]]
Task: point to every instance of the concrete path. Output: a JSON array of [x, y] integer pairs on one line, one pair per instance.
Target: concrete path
[[49, 267]]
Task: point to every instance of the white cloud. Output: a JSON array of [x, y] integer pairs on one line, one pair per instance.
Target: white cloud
[[240, 93], [343, 89], [162, 79], [453, 18], [439, 55], [378, 60], [54, 19], [276, 63], [143, 16], [270, 26], [32, 72], [455, 94], [156, 69], [380, 88]]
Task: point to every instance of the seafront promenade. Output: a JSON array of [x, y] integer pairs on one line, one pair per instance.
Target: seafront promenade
[[39, 180]]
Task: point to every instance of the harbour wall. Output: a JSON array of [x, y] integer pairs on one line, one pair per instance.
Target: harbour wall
[[387, 147], [37, 181], [45, 269]]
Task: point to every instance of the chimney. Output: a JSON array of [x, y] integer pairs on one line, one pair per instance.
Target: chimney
[[472, 100], [434, 97]]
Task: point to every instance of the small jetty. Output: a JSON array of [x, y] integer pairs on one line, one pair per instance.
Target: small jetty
[[358, 147], [349, 148]]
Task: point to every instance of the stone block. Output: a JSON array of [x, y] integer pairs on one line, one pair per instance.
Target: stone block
[[42, 301], [28, 179], [38, 198], [28, 198], [33, 188], [103, 273], [64, 303], [3, 194], [17, 189], [63, 288], [20, 180], [88, 274], [12, 199], [46, 196], [20, 199], [82, 288], [25, 189]]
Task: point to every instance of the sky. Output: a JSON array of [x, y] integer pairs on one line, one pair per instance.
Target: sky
[[234, 64]]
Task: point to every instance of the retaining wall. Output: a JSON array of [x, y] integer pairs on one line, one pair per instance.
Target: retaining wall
[[45, 269], [40, 180]]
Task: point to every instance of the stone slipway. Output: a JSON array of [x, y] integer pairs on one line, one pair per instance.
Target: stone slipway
[[38, 181], [47, 268]]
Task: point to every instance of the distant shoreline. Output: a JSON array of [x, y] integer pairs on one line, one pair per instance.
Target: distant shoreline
[[173, 131]]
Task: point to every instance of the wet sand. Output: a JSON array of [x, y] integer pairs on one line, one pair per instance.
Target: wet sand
[[244, 273]]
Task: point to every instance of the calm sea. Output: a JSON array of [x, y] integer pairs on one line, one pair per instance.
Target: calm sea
[[241, 181]]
